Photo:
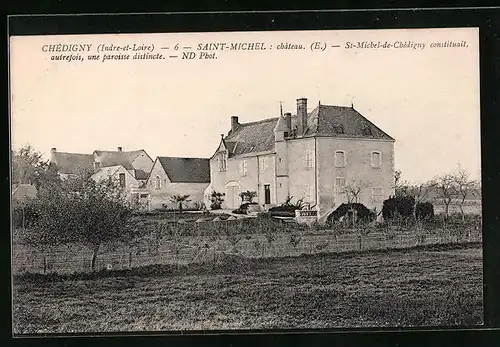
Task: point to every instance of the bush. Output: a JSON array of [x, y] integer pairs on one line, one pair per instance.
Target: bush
[[398, 206], [284, 210], [424, 211], [243, 209], [363, 213]]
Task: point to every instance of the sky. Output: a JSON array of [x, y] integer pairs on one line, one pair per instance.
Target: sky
[[427, 99]]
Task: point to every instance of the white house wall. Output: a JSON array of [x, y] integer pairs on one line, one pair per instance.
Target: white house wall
[[160, 198], [357, 169]]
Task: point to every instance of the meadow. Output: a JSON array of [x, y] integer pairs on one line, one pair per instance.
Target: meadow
[[420, 286]]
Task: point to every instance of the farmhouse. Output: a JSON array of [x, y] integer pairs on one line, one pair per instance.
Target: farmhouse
[[71, 165], [312, 156], [138, 163], [131, 169], [178, 176]]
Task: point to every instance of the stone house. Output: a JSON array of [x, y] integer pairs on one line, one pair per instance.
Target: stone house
[[312, 156], [178, 176], [130, 168]]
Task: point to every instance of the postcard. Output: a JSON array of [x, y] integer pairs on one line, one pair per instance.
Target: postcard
[[257, 180]]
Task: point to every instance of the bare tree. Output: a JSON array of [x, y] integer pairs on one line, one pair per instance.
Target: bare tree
[[447, 190], [400, 186], [352, 190], [464, 187]]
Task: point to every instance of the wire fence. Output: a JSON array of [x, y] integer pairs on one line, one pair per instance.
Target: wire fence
[[200, 246]]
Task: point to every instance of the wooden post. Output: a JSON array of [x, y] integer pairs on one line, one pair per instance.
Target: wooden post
[[359, 238], [24, 229], [130, 259], [44, 264]]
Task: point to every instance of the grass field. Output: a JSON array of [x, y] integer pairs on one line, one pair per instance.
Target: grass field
[[413, 287]]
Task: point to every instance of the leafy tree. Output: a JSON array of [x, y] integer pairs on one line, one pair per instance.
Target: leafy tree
[[180, 199], [216, 200], [97, 213], [248, 196], [28, 167]]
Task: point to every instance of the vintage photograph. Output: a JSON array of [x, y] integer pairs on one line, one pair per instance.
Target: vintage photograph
[[222, 181]]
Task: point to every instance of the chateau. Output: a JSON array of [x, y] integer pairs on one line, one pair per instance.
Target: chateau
[[309, 155]]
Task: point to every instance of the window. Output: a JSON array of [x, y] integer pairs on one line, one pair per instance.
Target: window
[[262, 164], [339, 185], [309, 159], [97, 165], [243, 168], [376, 159], [122, 180], [340, 159], [157, 183], [377, 194], [222, 161], [309, 194]]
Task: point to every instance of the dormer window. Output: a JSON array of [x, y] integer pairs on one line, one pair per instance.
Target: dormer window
[[222, 161], [157, 182]]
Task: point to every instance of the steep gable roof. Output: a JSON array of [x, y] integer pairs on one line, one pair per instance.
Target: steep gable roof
[[113, 158], [324, 120], [109, 171], [73, 163], [252, 137], [186, 170]]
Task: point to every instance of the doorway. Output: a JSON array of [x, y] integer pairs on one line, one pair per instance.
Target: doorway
[[267, 194]]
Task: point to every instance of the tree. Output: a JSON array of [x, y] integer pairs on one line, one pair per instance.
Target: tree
[[352, 190], [180, 199], [248, 196], [216, 200], [401, 187], [420, 192], [97, 213], [447, 190], [464, 187], [28, 167]]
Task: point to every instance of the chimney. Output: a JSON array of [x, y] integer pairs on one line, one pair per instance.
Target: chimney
[[53, 151], [119, 149], [301, 115], [288, 120], [234, 123]]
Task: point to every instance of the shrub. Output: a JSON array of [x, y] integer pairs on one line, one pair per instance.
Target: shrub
[[363, 213], [424, 211], [398, 206], [216, 200], [243, 209]]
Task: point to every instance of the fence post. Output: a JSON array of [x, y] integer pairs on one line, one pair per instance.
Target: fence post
[[44, 264], [359, 239], [130, 259]]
